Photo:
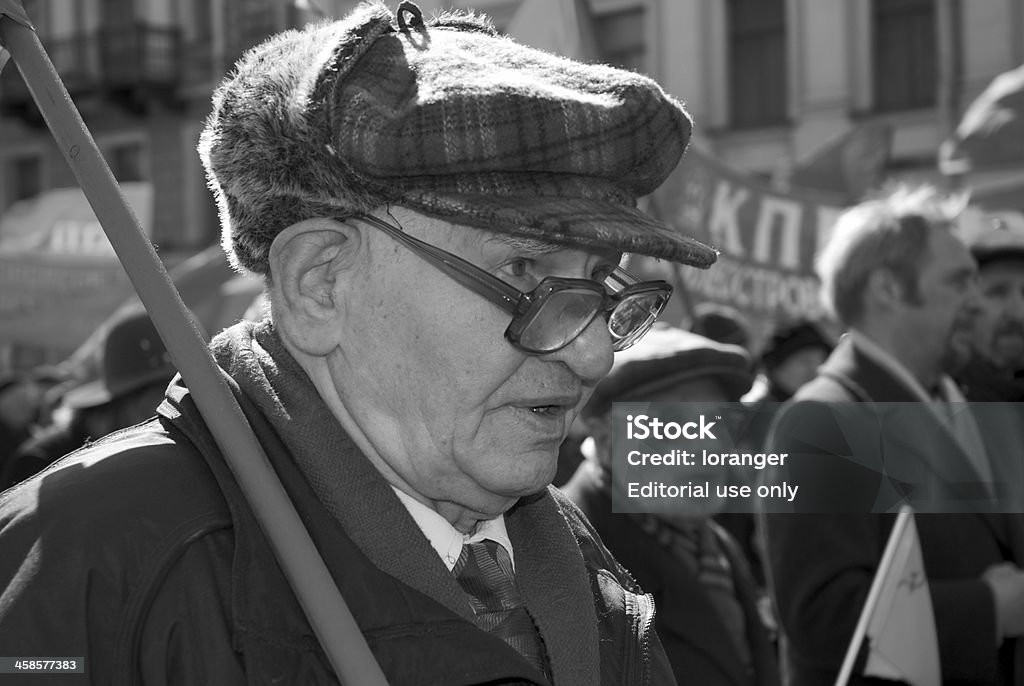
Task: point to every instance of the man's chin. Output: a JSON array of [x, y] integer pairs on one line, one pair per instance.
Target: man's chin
[[528, 482]]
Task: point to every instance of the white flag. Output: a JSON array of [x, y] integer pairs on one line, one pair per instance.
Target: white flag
[[897, 624]]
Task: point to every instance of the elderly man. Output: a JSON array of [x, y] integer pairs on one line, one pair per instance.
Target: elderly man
[[996, 369], [708, 603], [904, 285], [440, 214]]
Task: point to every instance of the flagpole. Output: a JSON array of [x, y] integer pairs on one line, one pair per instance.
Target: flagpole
[[333, 623], [903, 520]]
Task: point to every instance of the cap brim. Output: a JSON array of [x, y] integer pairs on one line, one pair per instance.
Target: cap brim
[[88, 394], [736, 381], [97, 392], [577, 222]]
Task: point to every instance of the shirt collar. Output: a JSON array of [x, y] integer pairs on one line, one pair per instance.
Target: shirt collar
[[445, 538], [884, 359]]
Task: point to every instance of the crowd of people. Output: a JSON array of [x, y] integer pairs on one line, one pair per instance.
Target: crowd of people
[[441, 217]]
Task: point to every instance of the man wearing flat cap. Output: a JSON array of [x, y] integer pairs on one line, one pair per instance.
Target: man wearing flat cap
[[995, 372], [708, 616], [440, 215]]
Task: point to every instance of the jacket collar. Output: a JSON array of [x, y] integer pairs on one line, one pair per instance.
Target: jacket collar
[[866, 381], [353, 514], [862, 376]]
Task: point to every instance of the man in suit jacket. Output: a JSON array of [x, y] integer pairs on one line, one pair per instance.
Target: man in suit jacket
[[708, 619], [873, 430]]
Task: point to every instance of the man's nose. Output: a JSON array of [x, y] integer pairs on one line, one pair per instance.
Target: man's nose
[[590, 354]]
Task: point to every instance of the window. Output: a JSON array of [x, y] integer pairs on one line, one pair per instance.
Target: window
[[620, 39], [126, 162], [757, 62], [24, 178], [904, 49], [117, 13]]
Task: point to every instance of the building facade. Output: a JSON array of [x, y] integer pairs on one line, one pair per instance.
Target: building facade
[[771, 81], [768, 81]]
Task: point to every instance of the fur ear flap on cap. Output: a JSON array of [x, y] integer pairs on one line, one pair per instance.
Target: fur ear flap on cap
[[450, 119], [267, 153]]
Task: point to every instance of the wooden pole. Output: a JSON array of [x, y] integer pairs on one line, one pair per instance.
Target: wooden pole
[[335, 627]]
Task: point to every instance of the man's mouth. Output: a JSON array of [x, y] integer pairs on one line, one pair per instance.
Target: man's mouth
[[552, 406]]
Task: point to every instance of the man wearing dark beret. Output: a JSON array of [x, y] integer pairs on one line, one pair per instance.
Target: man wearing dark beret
[[708, 618], [440, 215]]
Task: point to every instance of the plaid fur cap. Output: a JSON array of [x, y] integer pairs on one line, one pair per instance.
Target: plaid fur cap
[[445, 117]]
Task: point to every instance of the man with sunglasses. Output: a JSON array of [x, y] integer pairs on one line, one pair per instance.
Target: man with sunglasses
[[441, 216]]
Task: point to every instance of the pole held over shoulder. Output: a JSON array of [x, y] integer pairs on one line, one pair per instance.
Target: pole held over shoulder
[[339, 635]]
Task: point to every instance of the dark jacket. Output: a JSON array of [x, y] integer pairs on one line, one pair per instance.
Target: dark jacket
[[762, 402], [140, 554], [695, 639], [821, 565], [983, 382]]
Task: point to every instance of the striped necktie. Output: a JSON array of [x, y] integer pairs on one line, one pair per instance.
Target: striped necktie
[[484, 571]]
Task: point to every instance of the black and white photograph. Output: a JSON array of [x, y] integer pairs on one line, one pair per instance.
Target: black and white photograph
[[480, 342]]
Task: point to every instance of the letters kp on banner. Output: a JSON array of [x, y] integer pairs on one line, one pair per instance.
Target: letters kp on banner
[[767, 239]]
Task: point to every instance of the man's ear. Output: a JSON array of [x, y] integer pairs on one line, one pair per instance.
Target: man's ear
[[884, 289], [311, 264]]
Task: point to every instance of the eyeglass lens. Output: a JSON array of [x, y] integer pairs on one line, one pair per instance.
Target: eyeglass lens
[[563, 315], [633, 316], [560, 318]]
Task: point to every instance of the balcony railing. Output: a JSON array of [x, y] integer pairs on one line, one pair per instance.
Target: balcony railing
[[140, 56], [130, 64]]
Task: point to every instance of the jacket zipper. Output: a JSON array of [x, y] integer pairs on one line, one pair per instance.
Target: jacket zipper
[[638, 660]]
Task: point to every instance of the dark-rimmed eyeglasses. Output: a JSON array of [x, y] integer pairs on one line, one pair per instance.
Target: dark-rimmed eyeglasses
[[553, 314]]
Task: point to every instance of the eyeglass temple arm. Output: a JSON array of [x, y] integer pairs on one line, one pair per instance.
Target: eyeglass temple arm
[[466, 273]]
